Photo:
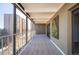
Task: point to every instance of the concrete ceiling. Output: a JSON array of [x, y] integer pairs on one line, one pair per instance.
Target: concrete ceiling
[[42, 12]]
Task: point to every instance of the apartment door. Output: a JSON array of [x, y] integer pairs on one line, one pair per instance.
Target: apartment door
[[75, 31]]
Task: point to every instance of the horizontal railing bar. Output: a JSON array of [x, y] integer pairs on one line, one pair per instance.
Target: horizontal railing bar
[[11, 35]]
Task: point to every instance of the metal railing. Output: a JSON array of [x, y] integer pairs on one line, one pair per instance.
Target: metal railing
[[6, 43]]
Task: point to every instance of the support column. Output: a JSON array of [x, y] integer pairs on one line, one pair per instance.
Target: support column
[[14, 32], [26, 29]]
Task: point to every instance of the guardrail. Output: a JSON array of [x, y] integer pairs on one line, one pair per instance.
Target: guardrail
[[6, 43]]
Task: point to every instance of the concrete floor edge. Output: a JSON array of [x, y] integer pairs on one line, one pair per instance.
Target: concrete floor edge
[[25, 47], [57, 47]]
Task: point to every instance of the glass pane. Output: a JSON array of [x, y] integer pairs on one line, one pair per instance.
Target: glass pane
[[24, 31], [20, 29], [6, 28], [29, 29]]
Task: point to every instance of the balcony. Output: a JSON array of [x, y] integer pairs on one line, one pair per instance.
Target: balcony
[[39, 29]]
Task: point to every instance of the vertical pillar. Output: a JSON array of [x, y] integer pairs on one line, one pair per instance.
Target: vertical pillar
[[26, 29], [14, 31]]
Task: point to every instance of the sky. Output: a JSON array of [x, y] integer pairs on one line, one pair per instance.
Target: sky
[[5, 8]]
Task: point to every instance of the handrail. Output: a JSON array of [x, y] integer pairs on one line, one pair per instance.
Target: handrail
[[11, 35]]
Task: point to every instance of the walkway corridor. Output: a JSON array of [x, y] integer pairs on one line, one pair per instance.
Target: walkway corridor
[[40, 45]]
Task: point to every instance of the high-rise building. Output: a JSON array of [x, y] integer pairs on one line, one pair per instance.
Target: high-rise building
[[8, 23]]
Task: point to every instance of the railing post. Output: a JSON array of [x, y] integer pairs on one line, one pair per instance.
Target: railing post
[[2, 45], [8, 44], [12, 44]]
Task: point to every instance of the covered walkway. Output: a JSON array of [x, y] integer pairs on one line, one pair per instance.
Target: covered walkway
[[40, 45], [25, 29]]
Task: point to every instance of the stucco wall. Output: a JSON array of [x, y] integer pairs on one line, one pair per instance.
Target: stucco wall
[[64, 42]]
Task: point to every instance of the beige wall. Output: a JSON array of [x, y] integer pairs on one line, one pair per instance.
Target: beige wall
[[40, 28], [64, 42]]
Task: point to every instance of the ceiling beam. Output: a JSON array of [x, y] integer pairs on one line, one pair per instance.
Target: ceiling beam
[[40, 11], [41, 17], [40, 22]]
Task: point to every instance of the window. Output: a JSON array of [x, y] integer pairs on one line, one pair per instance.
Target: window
[[55, 27]]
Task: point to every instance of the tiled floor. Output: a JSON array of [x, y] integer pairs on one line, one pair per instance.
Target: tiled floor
[[40, 45]]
